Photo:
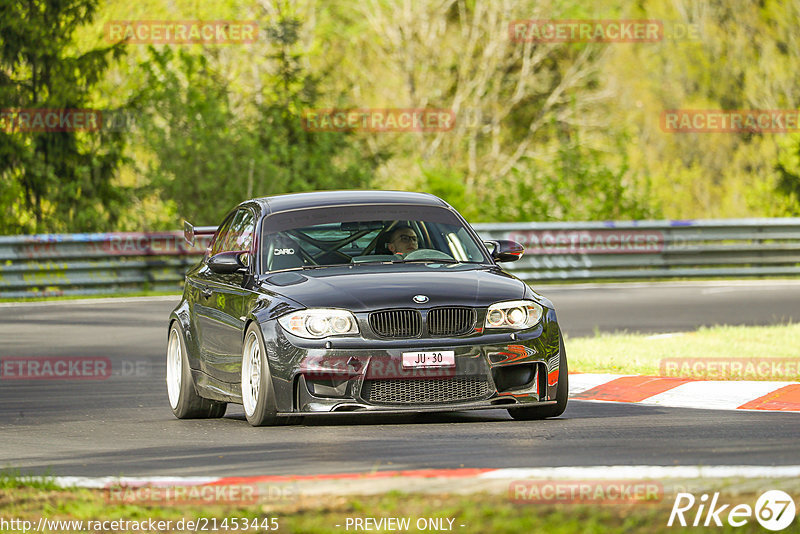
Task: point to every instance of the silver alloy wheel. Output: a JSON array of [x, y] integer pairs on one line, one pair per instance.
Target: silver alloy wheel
[[174, 367], [251, 373]]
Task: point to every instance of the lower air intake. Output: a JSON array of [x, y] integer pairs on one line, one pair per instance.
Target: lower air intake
[[425, 390]]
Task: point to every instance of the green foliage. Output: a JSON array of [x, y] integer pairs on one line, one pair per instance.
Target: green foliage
[[212, 153], [447, 184], [579, 183], [14, 479], [544, 131], [788, 168], [202, 157], [54, 181], [736, 57]]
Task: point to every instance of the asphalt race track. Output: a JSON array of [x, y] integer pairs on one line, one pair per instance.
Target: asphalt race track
[[123, 426]]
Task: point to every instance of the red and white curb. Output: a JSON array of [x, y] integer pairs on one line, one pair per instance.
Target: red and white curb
[[459, 480], [686, 392]]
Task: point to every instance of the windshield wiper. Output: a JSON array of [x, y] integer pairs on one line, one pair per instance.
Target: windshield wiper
[[305, 267], [428, 260], [374, 262]]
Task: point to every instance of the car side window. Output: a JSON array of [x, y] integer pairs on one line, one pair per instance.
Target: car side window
[[222, 235], [240, 235]]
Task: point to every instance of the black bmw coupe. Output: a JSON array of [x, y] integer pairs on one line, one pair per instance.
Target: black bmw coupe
[[359, 301]]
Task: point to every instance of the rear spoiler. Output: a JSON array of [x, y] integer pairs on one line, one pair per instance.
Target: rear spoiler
[[189, 231]]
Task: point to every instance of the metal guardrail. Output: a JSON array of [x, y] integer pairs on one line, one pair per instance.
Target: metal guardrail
[[653, 249], [85, 264], [91, 264]]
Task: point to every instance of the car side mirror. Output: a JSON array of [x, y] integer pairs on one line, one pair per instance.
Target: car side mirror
[[505, 250], [228, 262]]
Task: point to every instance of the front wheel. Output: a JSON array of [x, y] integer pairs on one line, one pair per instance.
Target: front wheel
[[258, 397], [562, 393], [183, 399]]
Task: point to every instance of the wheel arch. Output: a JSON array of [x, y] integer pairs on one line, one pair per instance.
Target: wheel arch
[[283, 384], [181, 316]]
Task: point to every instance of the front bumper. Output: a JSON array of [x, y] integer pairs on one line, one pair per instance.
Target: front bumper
[[349, 375]]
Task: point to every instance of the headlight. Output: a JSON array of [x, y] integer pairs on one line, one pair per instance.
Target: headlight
[[516, 314], [318, 323]]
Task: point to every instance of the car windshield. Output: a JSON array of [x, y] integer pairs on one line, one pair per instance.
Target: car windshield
[[421, 235]]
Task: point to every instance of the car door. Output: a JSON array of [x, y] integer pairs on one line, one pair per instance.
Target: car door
[[204, 302], [228, 304]]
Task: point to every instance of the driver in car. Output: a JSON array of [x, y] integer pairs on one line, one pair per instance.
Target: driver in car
[[402, 240]]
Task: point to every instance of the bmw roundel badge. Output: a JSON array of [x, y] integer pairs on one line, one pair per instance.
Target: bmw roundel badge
[[420, 299]]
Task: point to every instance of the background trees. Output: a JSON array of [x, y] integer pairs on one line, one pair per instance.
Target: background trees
[[211, 152], [55, 181], [544, 131]]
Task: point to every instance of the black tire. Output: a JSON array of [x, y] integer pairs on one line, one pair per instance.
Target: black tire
[[258, 394], [181, 392], [562, 394]]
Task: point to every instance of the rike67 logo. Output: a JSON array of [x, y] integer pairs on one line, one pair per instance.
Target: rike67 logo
[[774, 510]]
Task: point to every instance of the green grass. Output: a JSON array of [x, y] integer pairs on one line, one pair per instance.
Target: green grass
[[13, 479], [479, 513], [641, 354]]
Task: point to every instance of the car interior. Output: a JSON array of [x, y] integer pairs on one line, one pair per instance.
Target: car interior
[[363, 242]]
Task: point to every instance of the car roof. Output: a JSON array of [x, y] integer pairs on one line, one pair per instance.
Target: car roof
[[295, 201]]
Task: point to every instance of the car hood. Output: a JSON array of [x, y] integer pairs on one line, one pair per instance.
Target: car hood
[[365, 288]]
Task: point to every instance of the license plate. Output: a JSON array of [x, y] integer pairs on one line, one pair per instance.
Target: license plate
[[435, 358]]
